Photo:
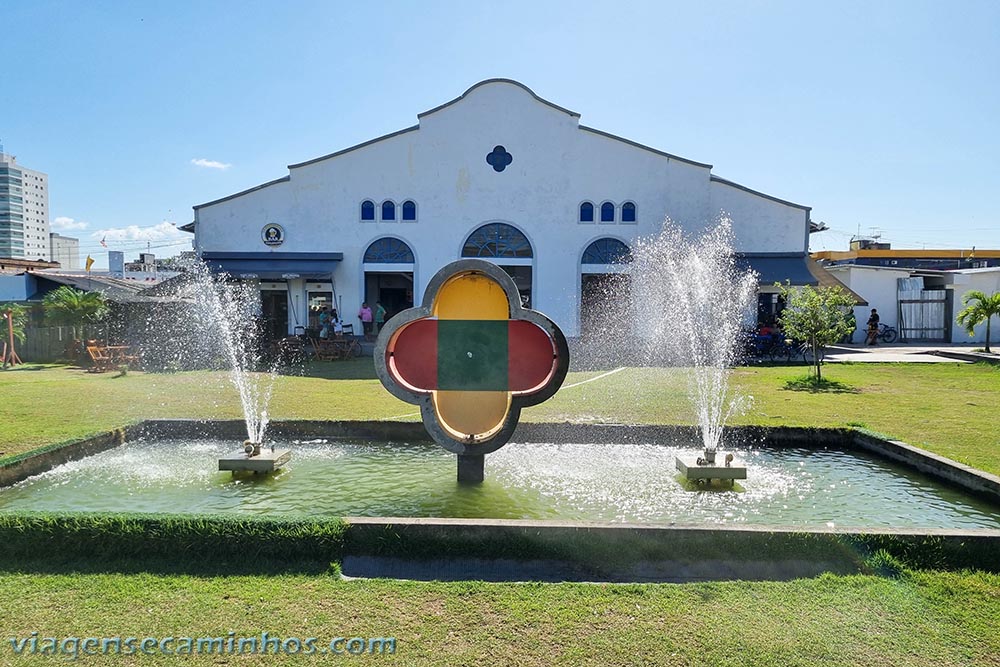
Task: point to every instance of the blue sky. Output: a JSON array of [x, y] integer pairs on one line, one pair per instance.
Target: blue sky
[[877, 114]]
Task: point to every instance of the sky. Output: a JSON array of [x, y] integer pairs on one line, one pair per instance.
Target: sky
[[884, 116]]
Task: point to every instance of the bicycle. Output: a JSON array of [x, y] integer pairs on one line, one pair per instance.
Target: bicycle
[[886, 334]]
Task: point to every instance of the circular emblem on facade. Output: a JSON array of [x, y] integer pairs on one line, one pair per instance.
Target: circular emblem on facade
[[272, 234]]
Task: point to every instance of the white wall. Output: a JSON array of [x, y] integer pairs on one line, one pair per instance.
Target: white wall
[[878, 287], [442, 167], [984, 280]]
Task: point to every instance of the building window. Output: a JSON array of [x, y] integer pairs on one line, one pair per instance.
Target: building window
[[367, 210], [388, 251], [497, 240], [607, 212], [499, 158], [586, 212], [409, 211], [388, 210], [607, 251], [628, 212]]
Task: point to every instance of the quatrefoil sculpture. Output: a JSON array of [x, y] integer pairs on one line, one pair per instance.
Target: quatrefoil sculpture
[[499, 158], [471, 357]]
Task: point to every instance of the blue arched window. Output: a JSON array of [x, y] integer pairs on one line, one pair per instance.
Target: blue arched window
[[388, 251], [607, 251], [409, 211], [628, 212], [388, 210], [586, 212], [497, 240], [368, 210], [607, 212]]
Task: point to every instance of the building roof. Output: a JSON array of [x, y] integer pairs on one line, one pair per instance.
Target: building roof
[[909, 253], [190, 227], [114, 289]]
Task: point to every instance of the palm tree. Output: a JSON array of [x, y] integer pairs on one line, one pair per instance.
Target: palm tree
[[979, 308], [73, 306]]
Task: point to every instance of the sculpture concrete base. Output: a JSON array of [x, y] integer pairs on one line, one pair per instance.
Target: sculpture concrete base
[[266, 461], [688, 466], [471, 469]]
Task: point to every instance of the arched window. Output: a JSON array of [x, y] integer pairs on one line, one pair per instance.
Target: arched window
[[607, 212], [628, 212], [607, 251], [388, 210], [367, 210], [497, 240], [586, 212], [388, 251], [409, 211]]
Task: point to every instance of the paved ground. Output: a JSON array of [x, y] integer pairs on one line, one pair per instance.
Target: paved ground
[[904, 353]]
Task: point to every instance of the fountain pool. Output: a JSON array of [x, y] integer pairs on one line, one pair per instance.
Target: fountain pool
[[623, 483]]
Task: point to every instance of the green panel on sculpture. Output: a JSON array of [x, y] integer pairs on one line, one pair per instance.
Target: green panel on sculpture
[[472, 355]]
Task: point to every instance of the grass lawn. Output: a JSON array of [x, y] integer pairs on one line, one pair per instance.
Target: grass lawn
[[921, 618], [925, 618], [950, 409]]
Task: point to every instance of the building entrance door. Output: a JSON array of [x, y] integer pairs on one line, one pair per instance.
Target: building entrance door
[[274, 309]]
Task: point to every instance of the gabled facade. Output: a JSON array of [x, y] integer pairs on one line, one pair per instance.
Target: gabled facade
[[498, 173]]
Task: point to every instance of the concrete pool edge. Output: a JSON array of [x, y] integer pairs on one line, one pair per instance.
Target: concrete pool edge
[[489, 549]]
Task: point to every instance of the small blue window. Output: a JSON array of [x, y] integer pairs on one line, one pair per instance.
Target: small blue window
[[388, 210], [628, 212], [586, 212], [367, 210], [409, 210], [607, 212]]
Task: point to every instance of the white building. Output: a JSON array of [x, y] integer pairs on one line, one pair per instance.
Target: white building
[[921, 304], [498, 173], [65, 250], [24, 211]]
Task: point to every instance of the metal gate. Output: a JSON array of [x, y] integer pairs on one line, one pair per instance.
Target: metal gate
[[922, 312]]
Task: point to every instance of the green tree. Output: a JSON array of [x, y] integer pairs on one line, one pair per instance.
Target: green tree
[[819, 316], [979, 308], [19, 318], [67, 305]]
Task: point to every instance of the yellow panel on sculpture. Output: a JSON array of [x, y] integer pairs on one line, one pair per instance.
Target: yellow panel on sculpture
[[471, 296], [465, 413]]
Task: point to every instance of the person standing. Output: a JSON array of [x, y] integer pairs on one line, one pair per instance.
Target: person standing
[[324, 323], [379, 317], [365, 315], [873, 328]]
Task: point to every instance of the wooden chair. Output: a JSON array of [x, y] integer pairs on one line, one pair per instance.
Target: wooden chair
[[324, 349], [100, 361]]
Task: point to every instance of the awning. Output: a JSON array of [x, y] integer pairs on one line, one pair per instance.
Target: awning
[[273, 265], [779, 267], [795, 269]]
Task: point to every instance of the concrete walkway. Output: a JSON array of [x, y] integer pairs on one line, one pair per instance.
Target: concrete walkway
[[907, 353]]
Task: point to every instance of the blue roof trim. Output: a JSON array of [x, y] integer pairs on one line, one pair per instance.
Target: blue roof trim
[[273, 265], [355, 147], [240, 194], [759, 194], [499, 80], [644, 147]]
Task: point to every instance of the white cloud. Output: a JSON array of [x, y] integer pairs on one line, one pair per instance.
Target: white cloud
[[64, 224], [211, 164], [165, 231]]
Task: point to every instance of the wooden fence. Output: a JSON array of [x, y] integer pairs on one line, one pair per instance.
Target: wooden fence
[[48, 344]]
